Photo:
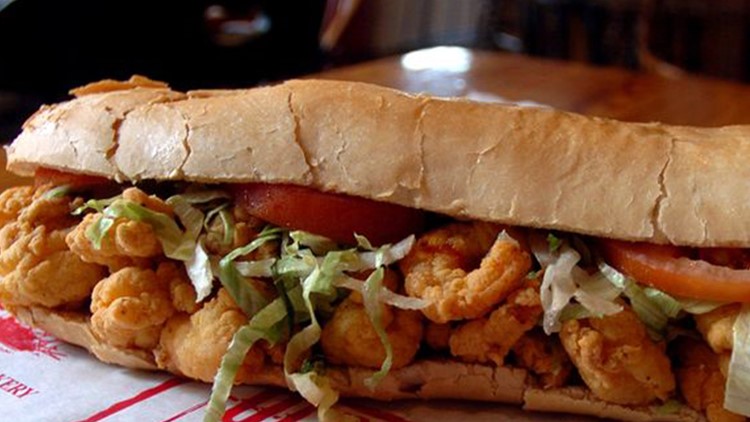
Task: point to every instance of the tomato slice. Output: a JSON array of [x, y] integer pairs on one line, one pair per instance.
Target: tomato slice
[[45, 176], [667, 268], [335, 216]]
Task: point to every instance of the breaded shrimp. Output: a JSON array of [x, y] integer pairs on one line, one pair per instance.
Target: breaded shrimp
[[38, 269], [349, 338], [544, 356], [194, 345], [617, 359], [12, 201], [490, 339], [128, 243], [181, 289], [130, 306], [149, 201], [438, 269], [700, 379], [716, 326]]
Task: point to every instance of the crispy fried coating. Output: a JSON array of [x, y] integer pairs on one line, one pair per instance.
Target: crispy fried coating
[[36, 265], [438, 269], [194, 345], [716, 326], [701, 381], [544, 356], [38, 268], [128, 243], [130, 306], [181, 289], [490, 339], [617, 359], [151, 202], [12, 201], [350, 339]]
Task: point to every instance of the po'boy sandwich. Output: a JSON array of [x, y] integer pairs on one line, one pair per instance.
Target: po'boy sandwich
[[343, 239]]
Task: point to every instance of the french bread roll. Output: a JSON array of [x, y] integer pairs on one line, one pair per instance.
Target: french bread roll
[[529, 167], [520, 166]]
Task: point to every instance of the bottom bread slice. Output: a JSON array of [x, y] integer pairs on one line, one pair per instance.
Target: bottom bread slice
[[424, 379]]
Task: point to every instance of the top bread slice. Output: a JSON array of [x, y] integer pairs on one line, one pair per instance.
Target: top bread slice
[[521, 166]]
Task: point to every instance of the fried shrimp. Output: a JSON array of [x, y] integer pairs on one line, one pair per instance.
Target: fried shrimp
[[350, 339], [128, 243], [149, 201], [12, 201], [490, 339], [544, 356], [194, 345], [130, 307], [701, 381], [617, 359], [38, 269], [716, 326], [35, 263], [438, 269]]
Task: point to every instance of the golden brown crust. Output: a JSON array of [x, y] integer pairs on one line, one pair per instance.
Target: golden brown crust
[[520, 166], [426, 379]]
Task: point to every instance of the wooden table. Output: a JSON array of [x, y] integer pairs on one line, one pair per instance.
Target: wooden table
[[608, 92]]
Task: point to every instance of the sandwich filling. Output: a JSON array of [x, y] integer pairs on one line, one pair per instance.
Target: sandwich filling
[[221, 282]]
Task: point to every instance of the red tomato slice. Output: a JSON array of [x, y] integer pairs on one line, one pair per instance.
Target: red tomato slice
[[668, 269], [45, 176], [335, 216]]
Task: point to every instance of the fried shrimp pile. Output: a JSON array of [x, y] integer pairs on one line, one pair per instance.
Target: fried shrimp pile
[[350, 339], [130, 306], [438, 269], [617, 359], [490, 339], [128, 243], [193, 345], [480, 300], [35, 263], [12, 201]]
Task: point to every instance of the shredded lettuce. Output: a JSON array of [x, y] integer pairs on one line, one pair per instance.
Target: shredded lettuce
[[374, 310], [177, 244], [97, 205], [737, 392], [264, 325], [247, 297], [57, 192], [565, 284], [199, 271]]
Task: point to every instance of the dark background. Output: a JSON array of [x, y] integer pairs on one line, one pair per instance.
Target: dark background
[[50, 46]]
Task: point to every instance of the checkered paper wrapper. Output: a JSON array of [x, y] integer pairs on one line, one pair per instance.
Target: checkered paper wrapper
[[45, 379]]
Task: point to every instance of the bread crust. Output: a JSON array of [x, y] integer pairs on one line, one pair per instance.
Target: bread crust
[[520, 166], [425, 379]]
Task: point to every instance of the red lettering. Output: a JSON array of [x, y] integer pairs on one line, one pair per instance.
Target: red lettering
[[29, 391], [15, 387], [4, 385]]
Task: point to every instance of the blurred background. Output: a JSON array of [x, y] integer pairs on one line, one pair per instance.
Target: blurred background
[[49, 46]]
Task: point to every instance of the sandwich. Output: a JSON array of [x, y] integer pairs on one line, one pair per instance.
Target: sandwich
[[345, 239]]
